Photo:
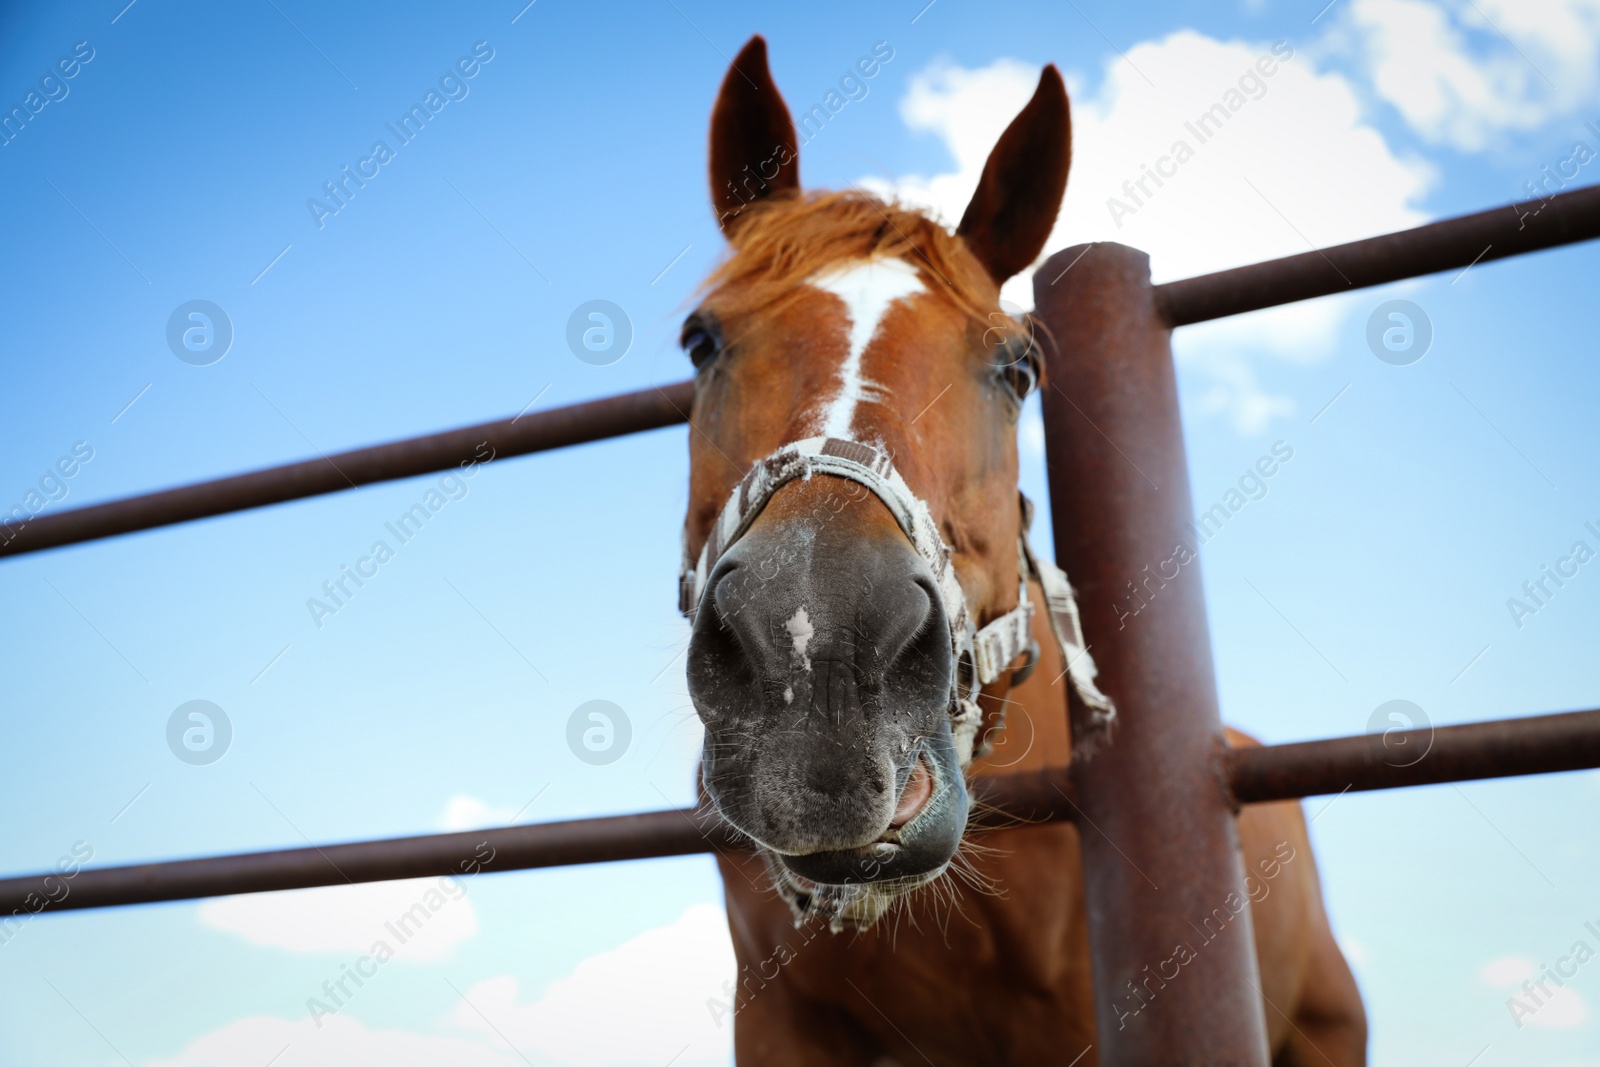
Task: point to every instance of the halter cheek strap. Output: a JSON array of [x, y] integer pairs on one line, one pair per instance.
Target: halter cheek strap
[[980, 656]]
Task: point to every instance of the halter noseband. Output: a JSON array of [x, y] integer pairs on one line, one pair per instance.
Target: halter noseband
[[980, 656]]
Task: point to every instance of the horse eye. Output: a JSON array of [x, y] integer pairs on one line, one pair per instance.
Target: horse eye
[[700, 347], [701, 341], [1017, 366]]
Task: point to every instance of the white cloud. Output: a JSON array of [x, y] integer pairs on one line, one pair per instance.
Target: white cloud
[[1461, 73], [421, 919], [1356, 952], [1234, 389], [1292, 166], [340, 1041], [1322, 172], [1507, 971], [1563, 1010], [471, 813], [1553, 1007], [642, 1003], [968, 110]]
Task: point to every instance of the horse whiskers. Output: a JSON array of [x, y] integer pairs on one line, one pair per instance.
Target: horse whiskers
[[962, 867], [943, 890], [938, 900], [970, 846], [942, 896], [984, 816]]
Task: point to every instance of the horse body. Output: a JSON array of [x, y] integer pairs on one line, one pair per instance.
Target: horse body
[[827, 666]]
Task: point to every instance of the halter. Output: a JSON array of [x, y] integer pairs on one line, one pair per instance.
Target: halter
[[980, 656]]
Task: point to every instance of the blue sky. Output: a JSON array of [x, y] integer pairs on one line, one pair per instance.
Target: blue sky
[[176, 165]]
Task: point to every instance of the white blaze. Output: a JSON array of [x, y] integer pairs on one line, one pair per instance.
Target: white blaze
[[799, 627], [868, 290]]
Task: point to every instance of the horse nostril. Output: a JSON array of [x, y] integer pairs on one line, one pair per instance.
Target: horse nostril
[[719, 670], [921, 654]]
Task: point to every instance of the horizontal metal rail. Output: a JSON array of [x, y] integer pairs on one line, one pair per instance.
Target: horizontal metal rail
[[651, 835], [540, 431], [511, 848], [1537, 745], [1450, 244]]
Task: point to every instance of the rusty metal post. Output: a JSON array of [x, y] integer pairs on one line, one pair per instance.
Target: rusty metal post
[[1160, 840]]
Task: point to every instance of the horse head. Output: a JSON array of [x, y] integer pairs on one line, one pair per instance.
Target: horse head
[[847, 339]]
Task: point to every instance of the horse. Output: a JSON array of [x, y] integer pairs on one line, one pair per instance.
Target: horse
[[867, 617]]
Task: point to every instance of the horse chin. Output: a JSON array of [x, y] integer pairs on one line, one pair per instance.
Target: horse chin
[[843, 907], [858, 884]]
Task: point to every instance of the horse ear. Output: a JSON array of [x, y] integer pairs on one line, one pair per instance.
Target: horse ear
[[1014, 209], [752, 138]]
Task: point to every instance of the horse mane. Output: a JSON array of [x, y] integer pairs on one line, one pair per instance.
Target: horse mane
[[781, 243]]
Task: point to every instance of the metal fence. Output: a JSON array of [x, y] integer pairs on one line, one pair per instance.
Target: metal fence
[[1166, 789]]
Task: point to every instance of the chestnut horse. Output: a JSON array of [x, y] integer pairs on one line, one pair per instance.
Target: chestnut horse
[[853, 522]]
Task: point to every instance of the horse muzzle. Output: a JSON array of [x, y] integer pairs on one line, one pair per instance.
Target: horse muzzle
[[821, 665]]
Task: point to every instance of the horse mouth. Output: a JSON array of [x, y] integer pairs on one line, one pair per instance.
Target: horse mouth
[[923, 832], [915, 796]]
